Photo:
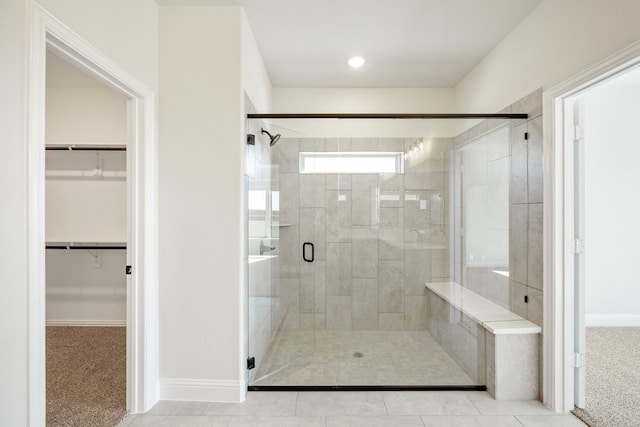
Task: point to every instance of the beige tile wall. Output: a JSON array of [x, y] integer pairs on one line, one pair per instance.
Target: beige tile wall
[[378, 238], [526, 202]]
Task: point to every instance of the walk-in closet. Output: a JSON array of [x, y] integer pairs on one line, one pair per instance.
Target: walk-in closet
[[86, 248]]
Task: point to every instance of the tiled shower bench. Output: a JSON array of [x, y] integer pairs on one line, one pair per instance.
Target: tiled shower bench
[[493, 345]]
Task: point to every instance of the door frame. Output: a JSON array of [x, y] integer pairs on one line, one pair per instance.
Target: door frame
[[48, 33], [559, 285]]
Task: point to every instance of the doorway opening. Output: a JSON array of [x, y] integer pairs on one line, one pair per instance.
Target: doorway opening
[[607, 320], [86, 220], [50, 35], [576, 128]]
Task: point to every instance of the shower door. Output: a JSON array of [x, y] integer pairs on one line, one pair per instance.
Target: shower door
[[361, 226], [296, 271]]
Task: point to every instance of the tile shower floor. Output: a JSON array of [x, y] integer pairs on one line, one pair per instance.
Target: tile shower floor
[[327, 358]]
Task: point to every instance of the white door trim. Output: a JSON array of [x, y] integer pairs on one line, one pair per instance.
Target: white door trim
[[559, 325], [47, 32]]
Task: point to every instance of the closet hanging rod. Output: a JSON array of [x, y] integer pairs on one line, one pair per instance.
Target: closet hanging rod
[[86, 148], [388, 116], [68, 247]]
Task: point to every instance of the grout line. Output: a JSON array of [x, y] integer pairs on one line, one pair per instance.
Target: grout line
[[473, 403], [295, 405], [204, 408], [518, 420], [385, 404]]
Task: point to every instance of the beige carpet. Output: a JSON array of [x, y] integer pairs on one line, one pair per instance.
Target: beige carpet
[[613, 378], [86, 376]]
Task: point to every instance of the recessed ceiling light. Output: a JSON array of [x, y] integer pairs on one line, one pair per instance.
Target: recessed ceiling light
[[356, 61]]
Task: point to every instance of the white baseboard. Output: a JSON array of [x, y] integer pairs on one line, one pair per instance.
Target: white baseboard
[[202, 390], [612, 320], [86, 323]]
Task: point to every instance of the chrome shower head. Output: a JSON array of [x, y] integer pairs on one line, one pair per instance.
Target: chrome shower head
[[273, 138]]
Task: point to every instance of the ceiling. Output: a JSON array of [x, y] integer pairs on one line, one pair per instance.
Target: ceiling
[[61, 74], [407, 43]]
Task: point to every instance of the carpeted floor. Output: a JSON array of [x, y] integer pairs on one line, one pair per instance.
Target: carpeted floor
[[86, 376], [613, 378]]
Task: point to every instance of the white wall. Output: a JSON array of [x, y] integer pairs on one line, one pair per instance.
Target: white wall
[[612, 202], [85, 116], [92, 211], [559, 39], [202, 254], [125, 31], [363, 100], [199, 194], [255, 78], [86, 287], [14, 408]]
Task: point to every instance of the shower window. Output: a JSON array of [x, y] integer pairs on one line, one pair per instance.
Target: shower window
[[351, 163]]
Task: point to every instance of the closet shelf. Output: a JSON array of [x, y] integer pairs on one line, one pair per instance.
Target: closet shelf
[[86, 245], [89, 174], [85, 147]]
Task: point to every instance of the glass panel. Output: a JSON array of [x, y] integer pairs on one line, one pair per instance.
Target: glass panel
[[483, 171], [273, 260], [404, 205], [286, 335]]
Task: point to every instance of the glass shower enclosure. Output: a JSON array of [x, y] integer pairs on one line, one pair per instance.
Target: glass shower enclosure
[[347, 221]]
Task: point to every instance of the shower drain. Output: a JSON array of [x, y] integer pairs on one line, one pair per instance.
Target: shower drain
[[357, 354]]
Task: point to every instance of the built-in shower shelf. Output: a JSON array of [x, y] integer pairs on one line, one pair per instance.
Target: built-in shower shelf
[[284, 225], [496, 319]]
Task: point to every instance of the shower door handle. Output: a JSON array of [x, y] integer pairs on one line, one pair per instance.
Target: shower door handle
[[304, 251]]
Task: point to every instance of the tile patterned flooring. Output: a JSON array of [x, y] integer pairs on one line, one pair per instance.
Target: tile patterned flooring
[[388, 358], [334, 409], [326, 358]]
